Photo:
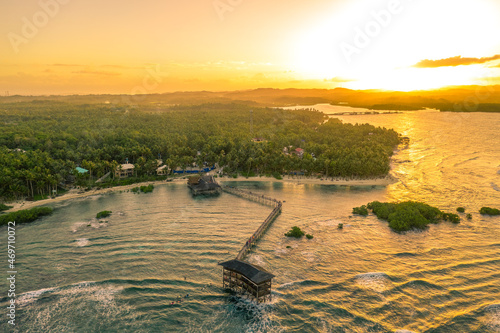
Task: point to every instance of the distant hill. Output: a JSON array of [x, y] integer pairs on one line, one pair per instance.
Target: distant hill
[[465, 98]]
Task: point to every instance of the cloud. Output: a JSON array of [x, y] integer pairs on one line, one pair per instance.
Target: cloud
[[96, 73], [121, 67], [66, 65], [454, 61], [338, 79]]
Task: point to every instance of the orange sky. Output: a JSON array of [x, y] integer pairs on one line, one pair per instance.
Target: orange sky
[[74, 46]]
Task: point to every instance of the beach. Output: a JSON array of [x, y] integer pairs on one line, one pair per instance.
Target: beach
[[297, 180], [302, 180]]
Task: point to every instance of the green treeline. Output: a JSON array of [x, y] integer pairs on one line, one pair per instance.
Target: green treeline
[[408, 215], [295, 232], [4, 207], [103, 214], [24, 216], [489, 211], [41, 143], [144, 189], [360, 210]]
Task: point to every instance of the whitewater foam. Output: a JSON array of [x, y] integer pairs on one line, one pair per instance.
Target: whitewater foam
[[89, 297], [257, 260], [330, 223], [493, 317], [93, 223], [81, 242], [289, 285], [309, 256], [376, 281], [31, 296]]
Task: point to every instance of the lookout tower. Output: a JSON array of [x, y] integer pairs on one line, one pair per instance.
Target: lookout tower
[[243, 277]]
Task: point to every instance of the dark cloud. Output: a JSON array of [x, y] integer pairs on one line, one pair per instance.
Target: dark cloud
[[454, 61]]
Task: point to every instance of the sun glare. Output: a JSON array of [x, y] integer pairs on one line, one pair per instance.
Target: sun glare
[[376, 45]]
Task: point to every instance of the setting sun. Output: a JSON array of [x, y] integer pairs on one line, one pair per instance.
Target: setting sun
[[73, 47], [376, 46]]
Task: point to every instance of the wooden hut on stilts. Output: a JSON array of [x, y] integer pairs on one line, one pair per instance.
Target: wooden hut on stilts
[[245, 278]]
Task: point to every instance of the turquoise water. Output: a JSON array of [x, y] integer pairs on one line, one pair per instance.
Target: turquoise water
[[123, 275]]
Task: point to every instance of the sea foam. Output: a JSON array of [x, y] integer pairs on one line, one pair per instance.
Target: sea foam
[[81, 242], [376, 281], [493, 317]]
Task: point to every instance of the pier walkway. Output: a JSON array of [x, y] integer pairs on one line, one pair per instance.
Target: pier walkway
[[265, 200], [239, 275]]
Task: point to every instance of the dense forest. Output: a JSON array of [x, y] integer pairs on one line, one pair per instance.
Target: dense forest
[[42, 142]]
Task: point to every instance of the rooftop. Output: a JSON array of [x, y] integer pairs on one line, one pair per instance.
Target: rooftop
[[253, 272], [127, 166], [81, 170]]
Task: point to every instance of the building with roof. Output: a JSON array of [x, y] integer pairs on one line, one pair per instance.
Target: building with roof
[[81, 171], [243, 277], [299, 152], [193, 170], [124, 170], [203, 185], [163, 170]]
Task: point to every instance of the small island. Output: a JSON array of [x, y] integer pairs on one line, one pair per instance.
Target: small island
[[296, 232], [103, 214], [409, 215], [489, 211], [25, 216]]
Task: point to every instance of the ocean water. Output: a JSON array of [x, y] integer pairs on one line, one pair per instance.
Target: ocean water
[[76, 274]]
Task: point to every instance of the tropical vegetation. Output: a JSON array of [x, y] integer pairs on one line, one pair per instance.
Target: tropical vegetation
[[4, 207], [489, 211], [25, 216], [295, 232], [42, 143], [144, 189], [409, 215], [360, 210], [103, 214]]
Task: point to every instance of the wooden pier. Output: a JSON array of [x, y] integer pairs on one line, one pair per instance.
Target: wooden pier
[[242, 276], [260, 198], [259, 233]]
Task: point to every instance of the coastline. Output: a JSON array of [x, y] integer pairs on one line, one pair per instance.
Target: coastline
[[383, 181], [76, 194]]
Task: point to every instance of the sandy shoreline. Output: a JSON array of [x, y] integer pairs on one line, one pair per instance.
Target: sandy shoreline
[[315, 181], [75, 193]]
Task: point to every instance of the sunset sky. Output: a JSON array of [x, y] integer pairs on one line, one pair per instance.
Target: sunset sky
[[124, 46]]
